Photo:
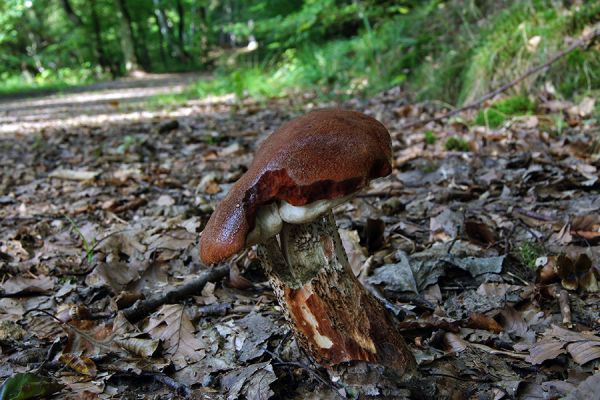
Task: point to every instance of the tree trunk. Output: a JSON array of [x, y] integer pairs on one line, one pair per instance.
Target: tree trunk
[[142, 53], [331, 313], [99, 46], [181, 29], [34, 35], [163, 26], [71, 14], [127, 43], [161, 41], [203, 30]]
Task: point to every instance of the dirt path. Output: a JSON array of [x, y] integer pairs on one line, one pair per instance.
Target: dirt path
[[123, 99]]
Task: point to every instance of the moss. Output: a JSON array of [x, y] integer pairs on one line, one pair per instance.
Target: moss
[[529, 252], [495, 115], [455, 143], [430, 137]]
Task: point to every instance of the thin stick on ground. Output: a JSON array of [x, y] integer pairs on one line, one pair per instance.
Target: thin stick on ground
[[582, 41], [565, 308], [142, 308]]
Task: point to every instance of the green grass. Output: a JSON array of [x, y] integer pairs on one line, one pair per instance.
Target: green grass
[[47, 81], [15, 88], [88, 245], [529, 252], [497, 113], [455, 143], [454, 51], [524, 35], [430, 137]]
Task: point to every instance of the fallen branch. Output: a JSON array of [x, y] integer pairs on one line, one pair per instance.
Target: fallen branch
[[584, 40], [142, 308]]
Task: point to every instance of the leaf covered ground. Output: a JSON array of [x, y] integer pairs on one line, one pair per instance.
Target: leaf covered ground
[[485, 241]]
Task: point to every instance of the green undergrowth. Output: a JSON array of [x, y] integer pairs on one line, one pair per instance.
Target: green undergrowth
[[455, 143], [524, 35], [454, 51], [529, 252], [498, 112], [47, 81]]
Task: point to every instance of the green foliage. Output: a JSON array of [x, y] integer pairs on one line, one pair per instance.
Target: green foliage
[[452, 50], [28, 386], [529, 252], [495, 115], [430, 137], [48, 80], [525, 34], [88, 245], [128, 142], [455, 143], [559, 125]]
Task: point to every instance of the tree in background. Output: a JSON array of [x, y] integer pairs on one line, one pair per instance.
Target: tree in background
[[452, 50]]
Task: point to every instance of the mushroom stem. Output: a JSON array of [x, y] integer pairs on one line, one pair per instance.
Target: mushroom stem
[[331, 313]]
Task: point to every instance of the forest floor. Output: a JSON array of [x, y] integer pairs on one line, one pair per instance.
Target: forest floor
[[488, 249]]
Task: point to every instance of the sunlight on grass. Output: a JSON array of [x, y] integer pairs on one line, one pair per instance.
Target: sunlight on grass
[[416, 50]]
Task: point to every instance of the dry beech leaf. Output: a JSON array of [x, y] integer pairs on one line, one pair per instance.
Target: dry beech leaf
[[582, 346], [81, 364], [482, 321], [17, 285], [586, 226], [513, 322], [479, 232], [126, 299], [454, 343], [545, 350], [172, 325], [88, 337], [237, 280], [354, 251], [251, 382], [588, 389], [141, 347]]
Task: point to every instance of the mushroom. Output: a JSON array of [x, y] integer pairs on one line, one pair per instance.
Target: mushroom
[[300, 172]]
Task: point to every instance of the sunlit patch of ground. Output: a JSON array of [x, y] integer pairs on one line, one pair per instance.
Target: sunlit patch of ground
[[121, 100]]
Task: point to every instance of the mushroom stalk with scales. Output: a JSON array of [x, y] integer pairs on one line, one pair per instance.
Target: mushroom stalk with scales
[[331, 313], [299, 173]]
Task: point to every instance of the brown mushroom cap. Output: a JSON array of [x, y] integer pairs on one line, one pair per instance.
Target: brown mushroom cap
[[325, 154]]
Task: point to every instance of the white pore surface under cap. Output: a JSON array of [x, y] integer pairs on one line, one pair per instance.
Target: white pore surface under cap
[[307, 213], [269, 218], [267, 224]]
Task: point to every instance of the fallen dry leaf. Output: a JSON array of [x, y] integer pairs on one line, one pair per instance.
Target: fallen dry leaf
[[172, 325], [18, 285], [583, 347]]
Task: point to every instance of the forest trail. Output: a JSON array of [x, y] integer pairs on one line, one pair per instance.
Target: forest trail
[[118, 100]]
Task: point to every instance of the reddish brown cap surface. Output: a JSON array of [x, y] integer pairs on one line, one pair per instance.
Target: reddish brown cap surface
[[324, 154]]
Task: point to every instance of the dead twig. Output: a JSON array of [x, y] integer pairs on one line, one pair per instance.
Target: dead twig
[[142, 308], [565, 308], [512, 354], [582, 41], [130, 205], [179, 388]]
